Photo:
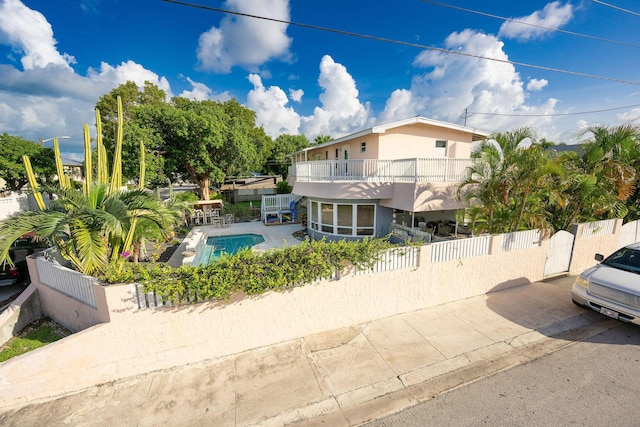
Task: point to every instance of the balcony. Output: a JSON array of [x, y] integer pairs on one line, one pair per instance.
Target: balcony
[[390, 171]]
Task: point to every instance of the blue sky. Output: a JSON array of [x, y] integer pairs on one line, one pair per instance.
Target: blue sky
[[58, 57]]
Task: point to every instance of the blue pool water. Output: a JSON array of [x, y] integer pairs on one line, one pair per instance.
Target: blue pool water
[[226, 245]]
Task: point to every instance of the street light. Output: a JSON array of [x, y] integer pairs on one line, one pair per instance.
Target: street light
[[42, 141]]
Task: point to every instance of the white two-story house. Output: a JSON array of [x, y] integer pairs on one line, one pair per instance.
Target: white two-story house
[[397, 176]]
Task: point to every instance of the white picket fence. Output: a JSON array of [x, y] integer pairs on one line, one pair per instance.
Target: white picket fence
[[62, 279], [629, 233], [521, 240], [598, 228], [394, 259], [459, 249]]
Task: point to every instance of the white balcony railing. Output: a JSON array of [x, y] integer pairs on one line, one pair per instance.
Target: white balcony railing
[[405, 170]]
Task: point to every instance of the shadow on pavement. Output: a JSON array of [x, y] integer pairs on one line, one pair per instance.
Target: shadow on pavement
[[546, 307]]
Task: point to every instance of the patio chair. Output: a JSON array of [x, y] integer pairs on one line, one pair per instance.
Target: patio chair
[[228, 219], [212, 215], [197, 217]]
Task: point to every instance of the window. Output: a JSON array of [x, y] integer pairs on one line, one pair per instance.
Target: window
[[337, 154], [342, 219], [313, 215], [366, 220], [316, 156], [326, 154], [441, 148], [363, 146], [345, 219]]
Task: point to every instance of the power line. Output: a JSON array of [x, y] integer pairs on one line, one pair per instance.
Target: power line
[[403, 43], [470, 113], [558, 30], [616, 7]]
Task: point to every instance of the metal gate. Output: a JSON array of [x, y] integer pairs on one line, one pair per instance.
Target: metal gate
[[559, 253]]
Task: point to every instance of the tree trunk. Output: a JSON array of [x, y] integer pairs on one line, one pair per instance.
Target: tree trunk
[[204, 188], [135, 252]]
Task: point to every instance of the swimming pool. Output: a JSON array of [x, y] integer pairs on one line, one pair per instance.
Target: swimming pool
[[216, 246]]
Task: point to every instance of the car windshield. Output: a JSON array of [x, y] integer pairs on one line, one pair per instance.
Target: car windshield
[[624, 259]]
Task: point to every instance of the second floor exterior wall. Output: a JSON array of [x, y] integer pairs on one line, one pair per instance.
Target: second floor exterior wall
[[417, 137], [413, 165]]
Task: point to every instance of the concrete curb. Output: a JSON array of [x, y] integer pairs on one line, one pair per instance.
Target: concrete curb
[[386, 398]]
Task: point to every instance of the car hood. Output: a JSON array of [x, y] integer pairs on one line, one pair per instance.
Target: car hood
[[615, 278]]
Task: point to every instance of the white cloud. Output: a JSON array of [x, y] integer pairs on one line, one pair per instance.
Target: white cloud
[[341, 112], [553, 15], [296, 94], [535, 85], [399, 106], [271, 108], [632, 115], [29, 33], [127, 71], [457, 83], [244, 41], [47, 98], [200, 92]]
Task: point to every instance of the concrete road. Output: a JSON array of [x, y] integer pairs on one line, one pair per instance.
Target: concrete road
[[590, 383]]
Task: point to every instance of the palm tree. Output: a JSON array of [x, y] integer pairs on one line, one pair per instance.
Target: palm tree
[[534, 177], [91, 230], [99, 225], [602, 181], [495, 180]]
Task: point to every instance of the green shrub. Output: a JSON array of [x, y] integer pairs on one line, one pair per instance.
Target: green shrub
[[251, 272], [283, 187]]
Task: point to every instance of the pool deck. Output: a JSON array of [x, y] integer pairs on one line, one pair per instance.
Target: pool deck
[[275, 236]]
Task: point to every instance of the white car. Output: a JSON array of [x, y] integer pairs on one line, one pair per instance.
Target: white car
[[613, 286]]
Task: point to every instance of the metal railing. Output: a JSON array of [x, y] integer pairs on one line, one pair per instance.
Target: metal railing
[[406, 170]]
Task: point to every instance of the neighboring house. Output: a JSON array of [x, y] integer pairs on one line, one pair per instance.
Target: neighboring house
[[249, 188], [74, 169], [400, 175]]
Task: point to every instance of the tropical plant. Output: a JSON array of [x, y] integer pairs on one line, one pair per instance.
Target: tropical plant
[[601, 182], [96, 226], [510, 183]]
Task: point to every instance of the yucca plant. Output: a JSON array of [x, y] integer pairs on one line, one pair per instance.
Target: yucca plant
[[94, 227]]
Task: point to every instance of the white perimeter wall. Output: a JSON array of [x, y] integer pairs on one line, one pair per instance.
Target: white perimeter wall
[[136, 341]]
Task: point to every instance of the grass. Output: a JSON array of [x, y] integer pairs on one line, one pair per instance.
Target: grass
[[38, 334]]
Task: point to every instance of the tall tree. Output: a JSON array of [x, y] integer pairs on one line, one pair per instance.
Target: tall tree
[[602, 179], [279, 161], [131, 97], [12, 149], [206, 140], [321, 139], [509, 183]]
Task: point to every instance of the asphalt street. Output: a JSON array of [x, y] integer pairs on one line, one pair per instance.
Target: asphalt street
[[590, 383]]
